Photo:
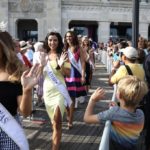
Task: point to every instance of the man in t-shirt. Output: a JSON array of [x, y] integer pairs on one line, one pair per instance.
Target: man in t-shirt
[[128, 56]]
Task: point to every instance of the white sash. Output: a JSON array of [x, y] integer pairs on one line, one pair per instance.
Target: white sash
[[11, 127], [76, 64], [60, 86]]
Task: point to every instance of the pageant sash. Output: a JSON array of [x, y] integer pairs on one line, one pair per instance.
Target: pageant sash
[[76, 64], [60, 86], [12, 128]]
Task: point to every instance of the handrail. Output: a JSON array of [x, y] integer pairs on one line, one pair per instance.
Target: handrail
[[104, 144], [106, 60]]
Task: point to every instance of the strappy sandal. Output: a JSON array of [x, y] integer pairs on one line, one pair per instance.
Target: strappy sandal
[[70, 126]]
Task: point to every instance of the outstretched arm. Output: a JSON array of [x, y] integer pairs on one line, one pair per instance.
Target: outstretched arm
[[28, 80], [82, 58], [89, 117]]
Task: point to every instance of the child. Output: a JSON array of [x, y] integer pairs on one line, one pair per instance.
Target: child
[[127, 121]]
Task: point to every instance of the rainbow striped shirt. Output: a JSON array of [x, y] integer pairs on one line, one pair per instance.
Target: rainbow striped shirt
[[126, 126]]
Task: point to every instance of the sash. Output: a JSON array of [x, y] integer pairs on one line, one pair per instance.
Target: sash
[[60, 86], [7, 122], [76, 64]]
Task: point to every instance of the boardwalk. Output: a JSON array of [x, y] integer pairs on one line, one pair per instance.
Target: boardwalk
[[81, 136]]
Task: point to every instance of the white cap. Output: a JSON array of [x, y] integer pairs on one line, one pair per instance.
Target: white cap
[[130, 52]]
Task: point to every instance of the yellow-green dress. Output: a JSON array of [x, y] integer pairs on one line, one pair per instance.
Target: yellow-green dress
[[52, 97]]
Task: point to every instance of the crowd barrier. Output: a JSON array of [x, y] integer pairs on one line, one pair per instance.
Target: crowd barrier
[[104, 144], [107, 61]]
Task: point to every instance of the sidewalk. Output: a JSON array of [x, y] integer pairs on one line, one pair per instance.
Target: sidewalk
[[82, 136]]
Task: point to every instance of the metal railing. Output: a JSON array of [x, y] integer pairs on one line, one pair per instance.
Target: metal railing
[[104, 144], [106, 60]]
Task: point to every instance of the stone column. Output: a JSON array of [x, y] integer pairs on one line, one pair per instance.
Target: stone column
[[143, 1], [103, 31], [13, 27], [40, 24], [65, 27], [4, 12], [143, 29], [53, 15]]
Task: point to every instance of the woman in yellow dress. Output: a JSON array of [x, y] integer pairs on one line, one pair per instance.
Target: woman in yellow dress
[[56, 68]]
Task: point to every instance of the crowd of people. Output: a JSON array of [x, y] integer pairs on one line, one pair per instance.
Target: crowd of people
[[61, 72], [127, 60], [55, 69]]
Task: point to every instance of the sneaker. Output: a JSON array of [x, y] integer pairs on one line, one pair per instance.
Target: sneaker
[[81, 99]]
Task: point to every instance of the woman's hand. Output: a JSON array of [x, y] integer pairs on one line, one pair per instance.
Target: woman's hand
[[82, 80], [63, 58], [97, 95], [30, 77]]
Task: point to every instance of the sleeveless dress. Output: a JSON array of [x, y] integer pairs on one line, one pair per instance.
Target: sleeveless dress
[[52, 97], [74, 86]]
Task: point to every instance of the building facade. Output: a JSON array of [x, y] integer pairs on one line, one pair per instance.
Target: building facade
[[100, 19]]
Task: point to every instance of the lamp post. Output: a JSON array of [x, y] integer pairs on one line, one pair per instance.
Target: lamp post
[[135, 23]]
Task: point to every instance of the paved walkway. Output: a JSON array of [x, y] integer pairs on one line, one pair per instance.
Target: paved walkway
[[82, 136]]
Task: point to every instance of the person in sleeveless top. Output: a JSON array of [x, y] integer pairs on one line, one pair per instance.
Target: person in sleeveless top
[[15, 86], [75, 83], [53, 98]]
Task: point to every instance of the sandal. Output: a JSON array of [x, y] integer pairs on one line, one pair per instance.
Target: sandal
[[70, 126]]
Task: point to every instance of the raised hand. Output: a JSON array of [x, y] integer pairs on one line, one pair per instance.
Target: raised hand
[[83, 80], [98, 94], [63, 58], [30, 77]]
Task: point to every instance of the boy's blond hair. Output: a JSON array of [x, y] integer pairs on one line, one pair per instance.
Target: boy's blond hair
[[131, 89]]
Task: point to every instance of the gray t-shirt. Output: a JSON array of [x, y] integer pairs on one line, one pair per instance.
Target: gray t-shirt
[[126, 126]]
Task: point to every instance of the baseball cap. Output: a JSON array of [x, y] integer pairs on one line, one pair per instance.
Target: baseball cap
[[130, 52]]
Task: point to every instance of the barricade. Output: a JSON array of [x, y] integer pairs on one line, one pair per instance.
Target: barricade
[[106, 60], [104, 144]]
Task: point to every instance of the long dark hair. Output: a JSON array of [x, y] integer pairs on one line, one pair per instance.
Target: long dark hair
[[75, 40], [60, 42]]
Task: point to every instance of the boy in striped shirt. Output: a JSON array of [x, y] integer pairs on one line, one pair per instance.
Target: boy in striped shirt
[[126, 121]]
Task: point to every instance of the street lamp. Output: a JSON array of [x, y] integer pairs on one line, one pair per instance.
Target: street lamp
[[135, 23]]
